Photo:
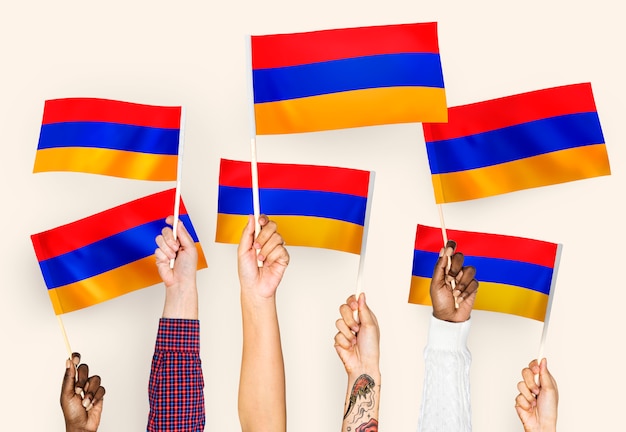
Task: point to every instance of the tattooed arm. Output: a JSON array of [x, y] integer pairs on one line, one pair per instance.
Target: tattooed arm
[[357, 344]]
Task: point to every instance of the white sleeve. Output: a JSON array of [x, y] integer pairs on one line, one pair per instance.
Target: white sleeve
[[446, 397]]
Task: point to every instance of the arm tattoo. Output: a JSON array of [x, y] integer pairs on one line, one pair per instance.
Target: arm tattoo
[[363, 387], [370, 426]]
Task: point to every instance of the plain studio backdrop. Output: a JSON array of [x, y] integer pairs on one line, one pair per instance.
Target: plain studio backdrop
[[192, 53]]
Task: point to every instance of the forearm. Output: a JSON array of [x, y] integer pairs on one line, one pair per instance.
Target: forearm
[[262, 405], [362, 401], [176, 385], [446, 393]]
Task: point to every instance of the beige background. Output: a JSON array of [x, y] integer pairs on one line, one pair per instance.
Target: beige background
[[192, 53]]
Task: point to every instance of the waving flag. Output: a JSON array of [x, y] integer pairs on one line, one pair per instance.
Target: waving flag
[[108, 137], [106, 255], [316, 206], [344, 78], [516, 275], [517, 142]]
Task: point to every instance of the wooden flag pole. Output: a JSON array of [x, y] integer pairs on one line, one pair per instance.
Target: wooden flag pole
[[445, 242], [368, 207], [256, 207], [443, 226], [546, 320], [179, 173], [67, 342]]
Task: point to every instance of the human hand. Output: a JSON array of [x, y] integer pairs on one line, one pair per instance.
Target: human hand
[[537, 405], [181, 294], [357, 343], [182, 249], [261, 281], [81, 397], [441, 290]]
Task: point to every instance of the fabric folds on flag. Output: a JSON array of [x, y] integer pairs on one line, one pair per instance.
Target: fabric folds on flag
[[516, 275], [109, 137], [315, 206], [518, 142], [108, 254], [345, 78]]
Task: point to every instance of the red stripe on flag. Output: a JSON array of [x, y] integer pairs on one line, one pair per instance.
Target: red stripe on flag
[[507, 111], [296, 177], [75, 235], [110, 111], [488, 245], [291, 49]]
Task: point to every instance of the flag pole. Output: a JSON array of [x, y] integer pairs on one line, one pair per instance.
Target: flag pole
[[179, 173], [546, 320], [67, 342], [444, 234], [256, 206], [368, 207], [445, 242]]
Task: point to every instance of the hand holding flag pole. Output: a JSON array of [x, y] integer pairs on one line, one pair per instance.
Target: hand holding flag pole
[[445, 243]]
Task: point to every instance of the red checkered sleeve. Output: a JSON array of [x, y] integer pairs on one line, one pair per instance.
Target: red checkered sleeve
[[176, 389]]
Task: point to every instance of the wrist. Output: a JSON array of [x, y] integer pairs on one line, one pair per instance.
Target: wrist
[[450, 316], [252, 296], [374, 373]]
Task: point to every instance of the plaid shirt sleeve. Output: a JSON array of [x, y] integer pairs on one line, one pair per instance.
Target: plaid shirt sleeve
[[175, 391]]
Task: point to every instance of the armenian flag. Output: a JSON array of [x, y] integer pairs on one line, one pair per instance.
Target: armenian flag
[[345, 78], [524, 141], [516, 275], [106, 255], [315, 206], [109, 137]]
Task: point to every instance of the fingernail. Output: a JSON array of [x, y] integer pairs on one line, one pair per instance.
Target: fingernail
[[78, 390], [451, 244]]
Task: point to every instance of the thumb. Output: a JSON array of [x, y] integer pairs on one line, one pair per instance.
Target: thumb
[[366, 316], [441, 266], [69, 379], [247, 236], [544, 376], [184, 237]]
